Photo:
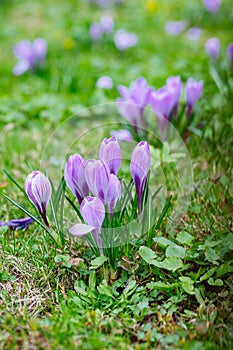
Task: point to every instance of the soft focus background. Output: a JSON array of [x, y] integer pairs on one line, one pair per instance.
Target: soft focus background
[[35, 309]]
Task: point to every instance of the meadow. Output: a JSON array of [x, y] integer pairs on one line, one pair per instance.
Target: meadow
[[157, 274]]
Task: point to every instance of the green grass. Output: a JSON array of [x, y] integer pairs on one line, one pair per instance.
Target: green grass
[[56, 298]]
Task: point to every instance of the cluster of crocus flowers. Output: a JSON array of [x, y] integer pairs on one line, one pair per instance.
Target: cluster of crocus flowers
[[105, 26], [30, 55], [97, 187], [164, 101]]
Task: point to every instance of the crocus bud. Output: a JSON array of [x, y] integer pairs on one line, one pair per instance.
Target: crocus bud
[[123, 39], [193, 92], [97, 176], [110, 154], [113, 193], [96, 31], [107, 24], [212, 48], [38, 189], [230, 53], [212, 5], [174, 84], [122, 134], [139, 167], [74, 175]]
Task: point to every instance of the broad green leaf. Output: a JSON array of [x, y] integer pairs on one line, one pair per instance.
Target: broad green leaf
[[97, 262], [130, 288], [198, 296], [207, 274], [163, 242], [171, 264], [187, 284], [80, 288], [103, 288], [184, 238], [160, 285], [175, 251], [217, 282], [147, 254], [211, 255]]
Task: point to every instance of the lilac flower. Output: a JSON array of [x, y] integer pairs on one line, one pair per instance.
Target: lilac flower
[[74, 175], [93, 213], [175, 27], [110, 154], [96, 31], [113, 193], [122, 134], [107, 24], [212, 5], [97, 175], [104, 82], [38, 189], [174, 85], [212, 47], [194, 33], [123, 39], [133, 101], [193, 92], [30, 55], [230, 52], [139, 167]]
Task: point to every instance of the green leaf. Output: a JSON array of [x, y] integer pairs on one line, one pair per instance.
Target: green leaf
[[211, 255], [103, 288], [198, 296], [64, 259], [160, 285], [175, 251], [184, 238], [130, 288], [172, 264], [217, 282], [187, 284], [163, 242], [147, 254], [97, 262], [80, 288], [207, 274]]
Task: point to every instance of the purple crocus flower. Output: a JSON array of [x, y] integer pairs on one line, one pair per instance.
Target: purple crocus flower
[[162, 103], [93, 213], [212, 5], [74, 175], [104, 82], [30, 55], [230, 52], [174, 85], [139, 167], [3, 223], [212, 47], [193, 92], [123, 39], [96, 31], [122, 134], [19, 224], [107, 24], [113, 193], [38, 189], [110, 154], [97, 175], [175, 27], [194, 33], [133, 101]]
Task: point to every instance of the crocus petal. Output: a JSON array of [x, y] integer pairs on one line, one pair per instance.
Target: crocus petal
[[122, 134], [93, 211], [21, 67], [110, 153], [212, 47], [212, 5], [40, 49], [107, 24], [193, 92], [96, 31], [81, 230], [104, 82], [123, 39], [97, 177], [175, 27]]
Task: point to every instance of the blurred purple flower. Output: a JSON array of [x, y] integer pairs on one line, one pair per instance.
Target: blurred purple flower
[[123, 39], [30, 55], [17, 224], [174, 85], [122, 134], [110, 154], [175, 27], [107, 24], [74, 175], [93, 213], [212, 47], [139, 167], [193, 92], [212, 5], [39, 190], [230, 53], [104, 82], [96, 31], [194, 33], [133, 101]]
